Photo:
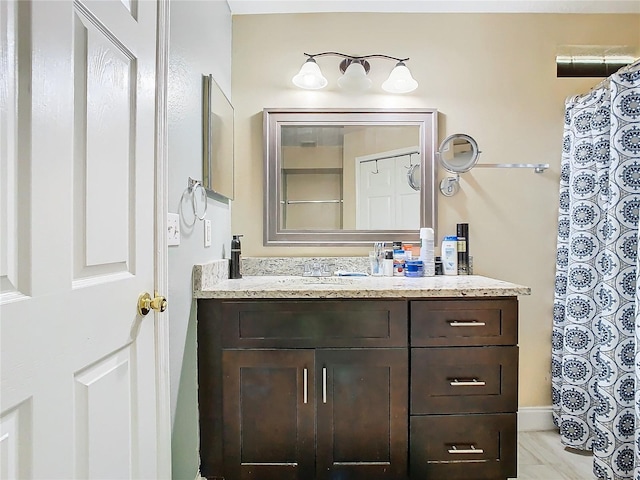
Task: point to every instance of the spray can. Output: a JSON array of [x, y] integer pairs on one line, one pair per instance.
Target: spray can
[[426, 251]]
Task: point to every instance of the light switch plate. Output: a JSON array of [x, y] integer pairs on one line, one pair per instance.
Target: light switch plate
[[207, 233], [173, 229]]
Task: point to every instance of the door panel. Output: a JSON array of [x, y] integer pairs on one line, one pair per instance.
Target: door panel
[[15, 63], [78, 364], [103, 404], [362, 413], [104, 126]]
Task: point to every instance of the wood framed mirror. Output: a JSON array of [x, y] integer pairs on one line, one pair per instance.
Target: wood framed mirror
[[340, 176]]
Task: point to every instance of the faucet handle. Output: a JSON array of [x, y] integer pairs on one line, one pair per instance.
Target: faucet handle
[[306, 269]]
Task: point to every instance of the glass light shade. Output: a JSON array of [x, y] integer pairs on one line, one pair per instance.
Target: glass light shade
[[355, 78], [310, 77], [400, 80]]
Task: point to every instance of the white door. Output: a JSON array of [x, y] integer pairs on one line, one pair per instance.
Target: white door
[[375, 202], [78, 364], [384, 198], [407, 215]]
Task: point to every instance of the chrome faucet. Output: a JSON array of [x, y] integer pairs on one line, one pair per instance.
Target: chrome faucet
[[316, 269]]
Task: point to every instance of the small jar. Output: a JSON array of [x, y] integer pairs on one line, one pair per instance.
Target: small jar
[[413, 268]]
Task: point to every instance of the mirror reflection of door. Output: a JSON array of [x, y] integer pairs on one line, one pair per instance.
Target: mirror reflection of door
[[384, 198]]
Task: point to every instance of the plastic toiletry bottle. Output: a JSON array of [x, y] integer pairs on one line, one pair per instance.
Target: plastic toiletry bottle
[[398, 263], [450, 255], [234, 264], [398, 259], [387, 264], [427, 251], [438, 268]]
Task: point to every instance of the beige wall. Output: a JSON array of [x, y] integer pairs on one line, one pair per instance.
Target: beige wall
[[491, 76]]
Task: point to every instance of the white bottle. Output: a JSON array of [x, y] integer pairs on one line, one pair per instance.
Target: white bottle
[[450, 255], [426, 251], [387, 265]]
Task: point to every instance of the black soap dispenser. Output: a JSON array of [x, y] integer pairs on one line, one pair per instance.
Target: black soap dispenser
[[234, 265]]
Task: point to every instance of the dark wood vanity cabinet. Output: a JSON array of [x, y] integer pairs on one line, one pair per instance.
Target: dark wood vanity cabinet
[[339, 389], [308, 390]]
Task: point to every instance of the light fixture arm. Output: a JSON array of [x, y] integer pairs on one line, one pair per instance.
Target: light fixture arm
[[355, 57]]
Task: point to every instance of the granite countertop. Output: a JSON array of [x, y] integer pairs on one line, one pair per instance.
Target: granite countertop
[[355, 287]]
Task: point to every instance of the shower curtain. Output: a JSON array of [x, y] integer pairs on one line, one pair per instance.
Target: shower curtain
[[596, 322]]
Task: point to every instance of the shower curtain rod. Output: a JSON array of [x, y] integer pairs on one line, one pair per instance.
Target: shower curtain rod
[[605, 82]]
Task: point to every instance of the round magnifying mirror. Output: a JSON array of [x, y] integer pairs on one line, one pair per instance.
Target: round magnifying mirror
[[458, 153], [413, 176]]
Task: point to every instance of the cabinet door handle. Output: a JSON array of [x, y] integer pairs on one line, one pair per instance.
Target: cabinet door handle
[[472, 323], [305, 385], [454, 450], [324, 384], [467, 383]]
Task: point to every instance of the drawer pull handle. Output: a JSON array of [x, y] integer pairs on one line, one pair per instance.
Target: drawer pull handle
[[473, 323], [467, 383], [304, 389], [464, 451], [324, 384]]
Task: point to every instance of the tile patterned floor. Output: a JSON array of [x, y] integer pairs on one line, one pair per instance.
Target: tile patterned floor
[[542, 456]]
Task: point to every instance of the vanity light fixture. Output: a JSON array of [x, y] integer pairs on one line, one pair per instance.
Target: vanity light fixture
[[355, 69]]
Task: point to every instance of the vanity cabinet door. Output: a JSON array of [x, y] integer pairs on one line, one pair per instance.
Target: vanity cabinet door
[[362, 419], [269, 414]]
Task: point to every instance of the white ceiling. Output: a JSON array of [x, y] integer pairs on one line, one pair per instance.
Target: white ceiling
[[240, 7]]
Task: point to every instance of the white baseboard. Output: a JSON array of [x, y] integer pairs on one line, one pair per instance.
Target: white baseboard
[[532, 419]]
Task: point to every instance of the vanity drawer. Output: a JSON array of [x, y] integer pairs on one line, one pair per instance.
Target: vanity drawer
[[325, 323], [464, 322], [464, 380], [463, 447]]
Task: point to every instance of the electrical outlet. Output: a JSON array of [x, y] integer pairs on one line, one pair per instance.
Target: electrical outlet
[[173, 229], [207, 233]]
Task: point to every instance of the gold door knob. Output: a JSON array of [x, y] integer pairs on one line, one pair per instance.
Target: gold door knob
[[146, 303]]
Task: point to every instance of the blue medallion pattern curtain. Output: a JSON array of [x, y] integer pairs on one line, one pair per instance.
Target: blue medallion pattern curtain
[[596, 323]]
